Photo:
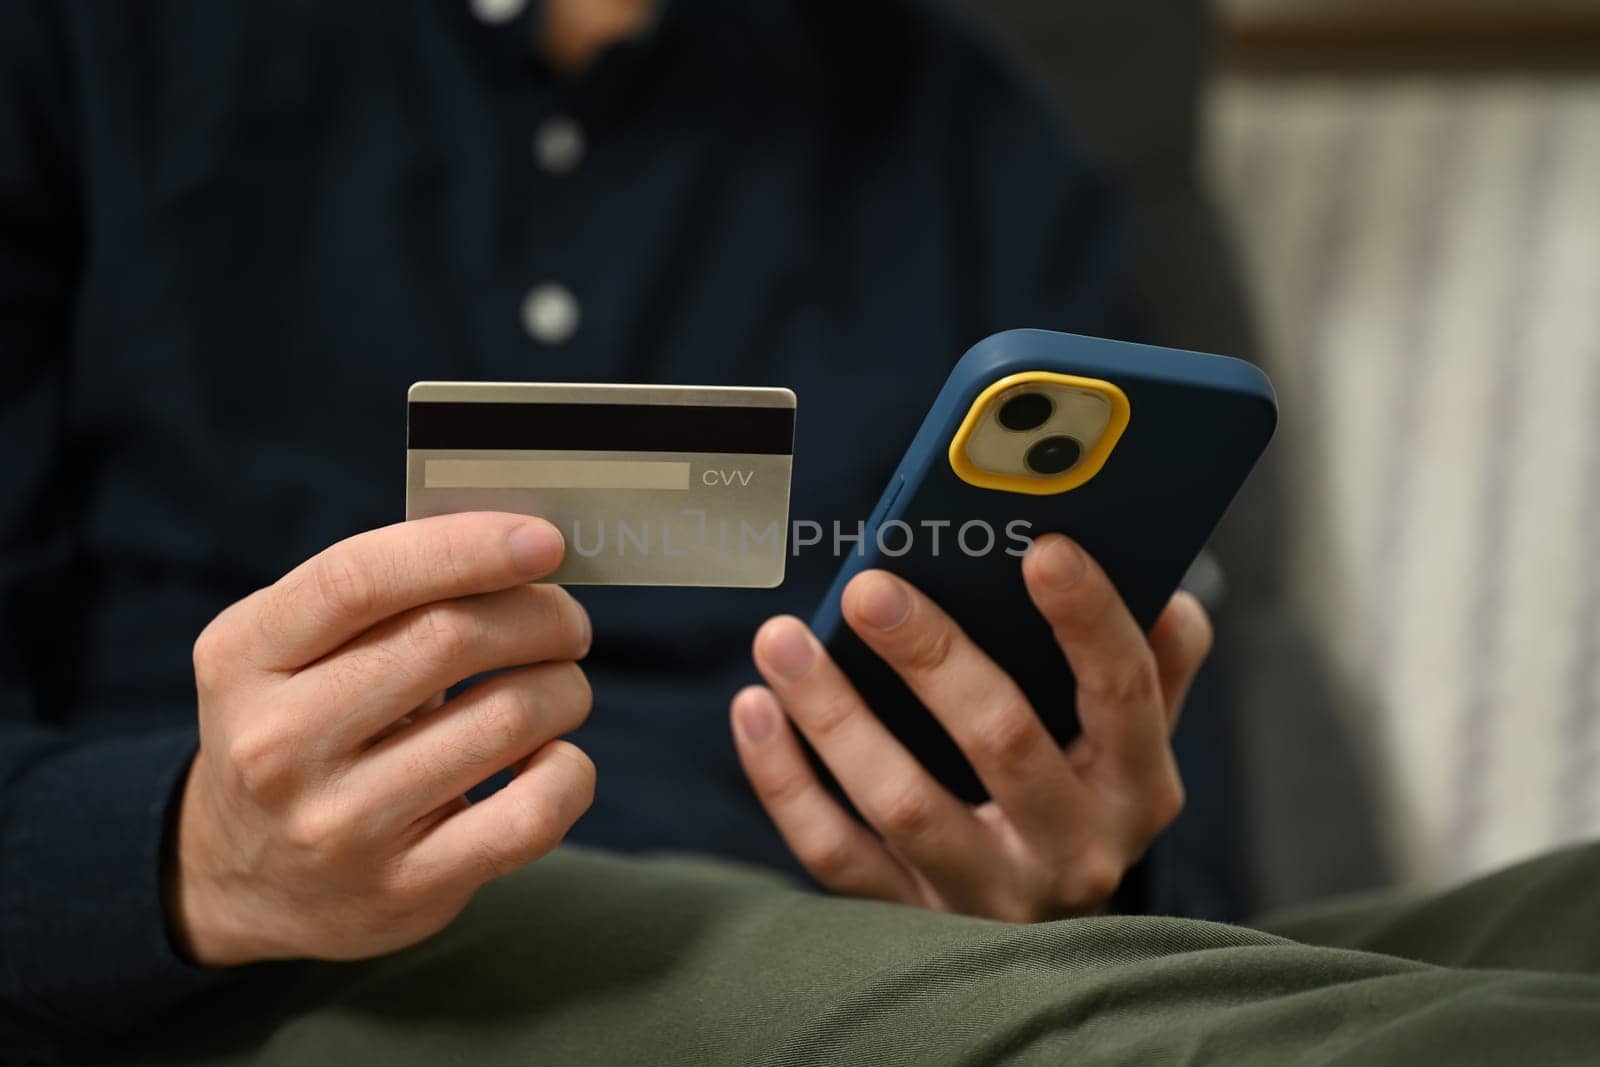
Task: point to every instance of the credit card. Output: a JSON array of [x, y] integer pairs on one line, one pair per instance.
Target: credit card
[[649, 484]]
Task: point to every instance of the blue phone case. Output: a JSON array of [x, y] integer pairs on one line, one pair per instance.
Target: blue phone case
[[1197, 424]]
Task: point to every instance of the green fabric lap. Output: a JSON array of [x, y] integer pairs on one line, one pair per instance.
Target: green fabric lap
[[587, 957], [1541, 915]]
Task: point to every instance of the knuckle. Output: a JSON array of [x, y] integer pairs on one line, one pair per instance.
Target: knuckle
[[260, 763], [536, 829], [211, 657], [930, 646], [1130, 682], [829, 716], [419, 895], [1005, 735], [581, 770], [830, 859], [574, 692], [503, 723], [315, 829], [781, 790], [343, 588], [409, 891], [1100, 879], [1166, 800], [1092, 880], [908, 814], [439, 635], [496, 859]]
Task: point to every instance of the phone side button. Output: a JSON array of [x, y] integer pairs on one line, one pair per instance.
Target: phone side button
[[886, 509]]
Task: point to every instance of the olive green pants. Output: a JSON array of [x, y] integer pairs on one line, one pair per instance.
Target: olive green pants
[[591, 958]]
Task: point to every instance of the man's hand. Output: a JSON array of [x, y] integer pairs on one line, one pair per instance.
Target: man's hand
[[324, 815], [1061, 827]]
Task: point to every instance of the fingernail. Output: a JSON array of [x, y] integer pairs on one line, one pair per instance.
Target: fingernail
[[587, 630], [884, 604], [536, 547], [1060, 562], [786, 649], [755, 716]]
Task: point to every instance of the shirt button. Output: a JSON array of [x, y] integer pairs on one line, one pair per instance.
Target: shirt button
[[497, 10], [550, 313], [558, 144]]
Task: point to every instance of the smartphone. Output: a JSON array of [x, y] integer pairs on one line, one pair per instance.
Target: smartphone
[[1131, 450]]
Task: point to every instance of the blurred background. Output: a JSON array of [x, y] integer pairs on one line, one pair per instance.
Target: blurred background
[[1394, 206]]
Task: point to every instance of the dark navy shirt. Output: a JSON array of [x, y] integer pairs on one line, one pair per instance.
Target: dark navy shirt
[[231, 235]]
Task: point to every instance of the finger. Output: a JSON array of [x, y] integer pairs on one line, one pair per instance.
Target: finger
[[1181, 640], [838, 851], [365, 579], [479, 733], [977, 703], [930, 828], [1120, 705], [404, 660], [516, 825]]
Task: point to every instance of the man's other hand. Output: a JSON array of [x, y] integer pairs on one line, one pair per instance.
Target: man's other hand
[[325, 814], [1061, 827]]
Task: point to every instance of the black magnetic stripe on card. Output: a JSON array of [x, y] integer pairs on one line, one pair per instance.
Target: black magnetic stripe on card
[[600, 427]]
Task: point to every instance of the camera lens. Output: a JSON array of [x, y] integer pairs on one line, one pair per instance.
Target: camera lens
[[1054, 455], [1025, 411]]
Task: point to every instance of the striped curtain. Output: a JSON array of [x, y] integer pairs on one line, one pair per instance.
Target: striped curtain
[[1424, 256]]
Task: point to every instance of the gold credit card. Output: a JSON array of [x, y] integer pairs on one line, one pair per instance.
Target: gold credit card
[[649, 484]]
